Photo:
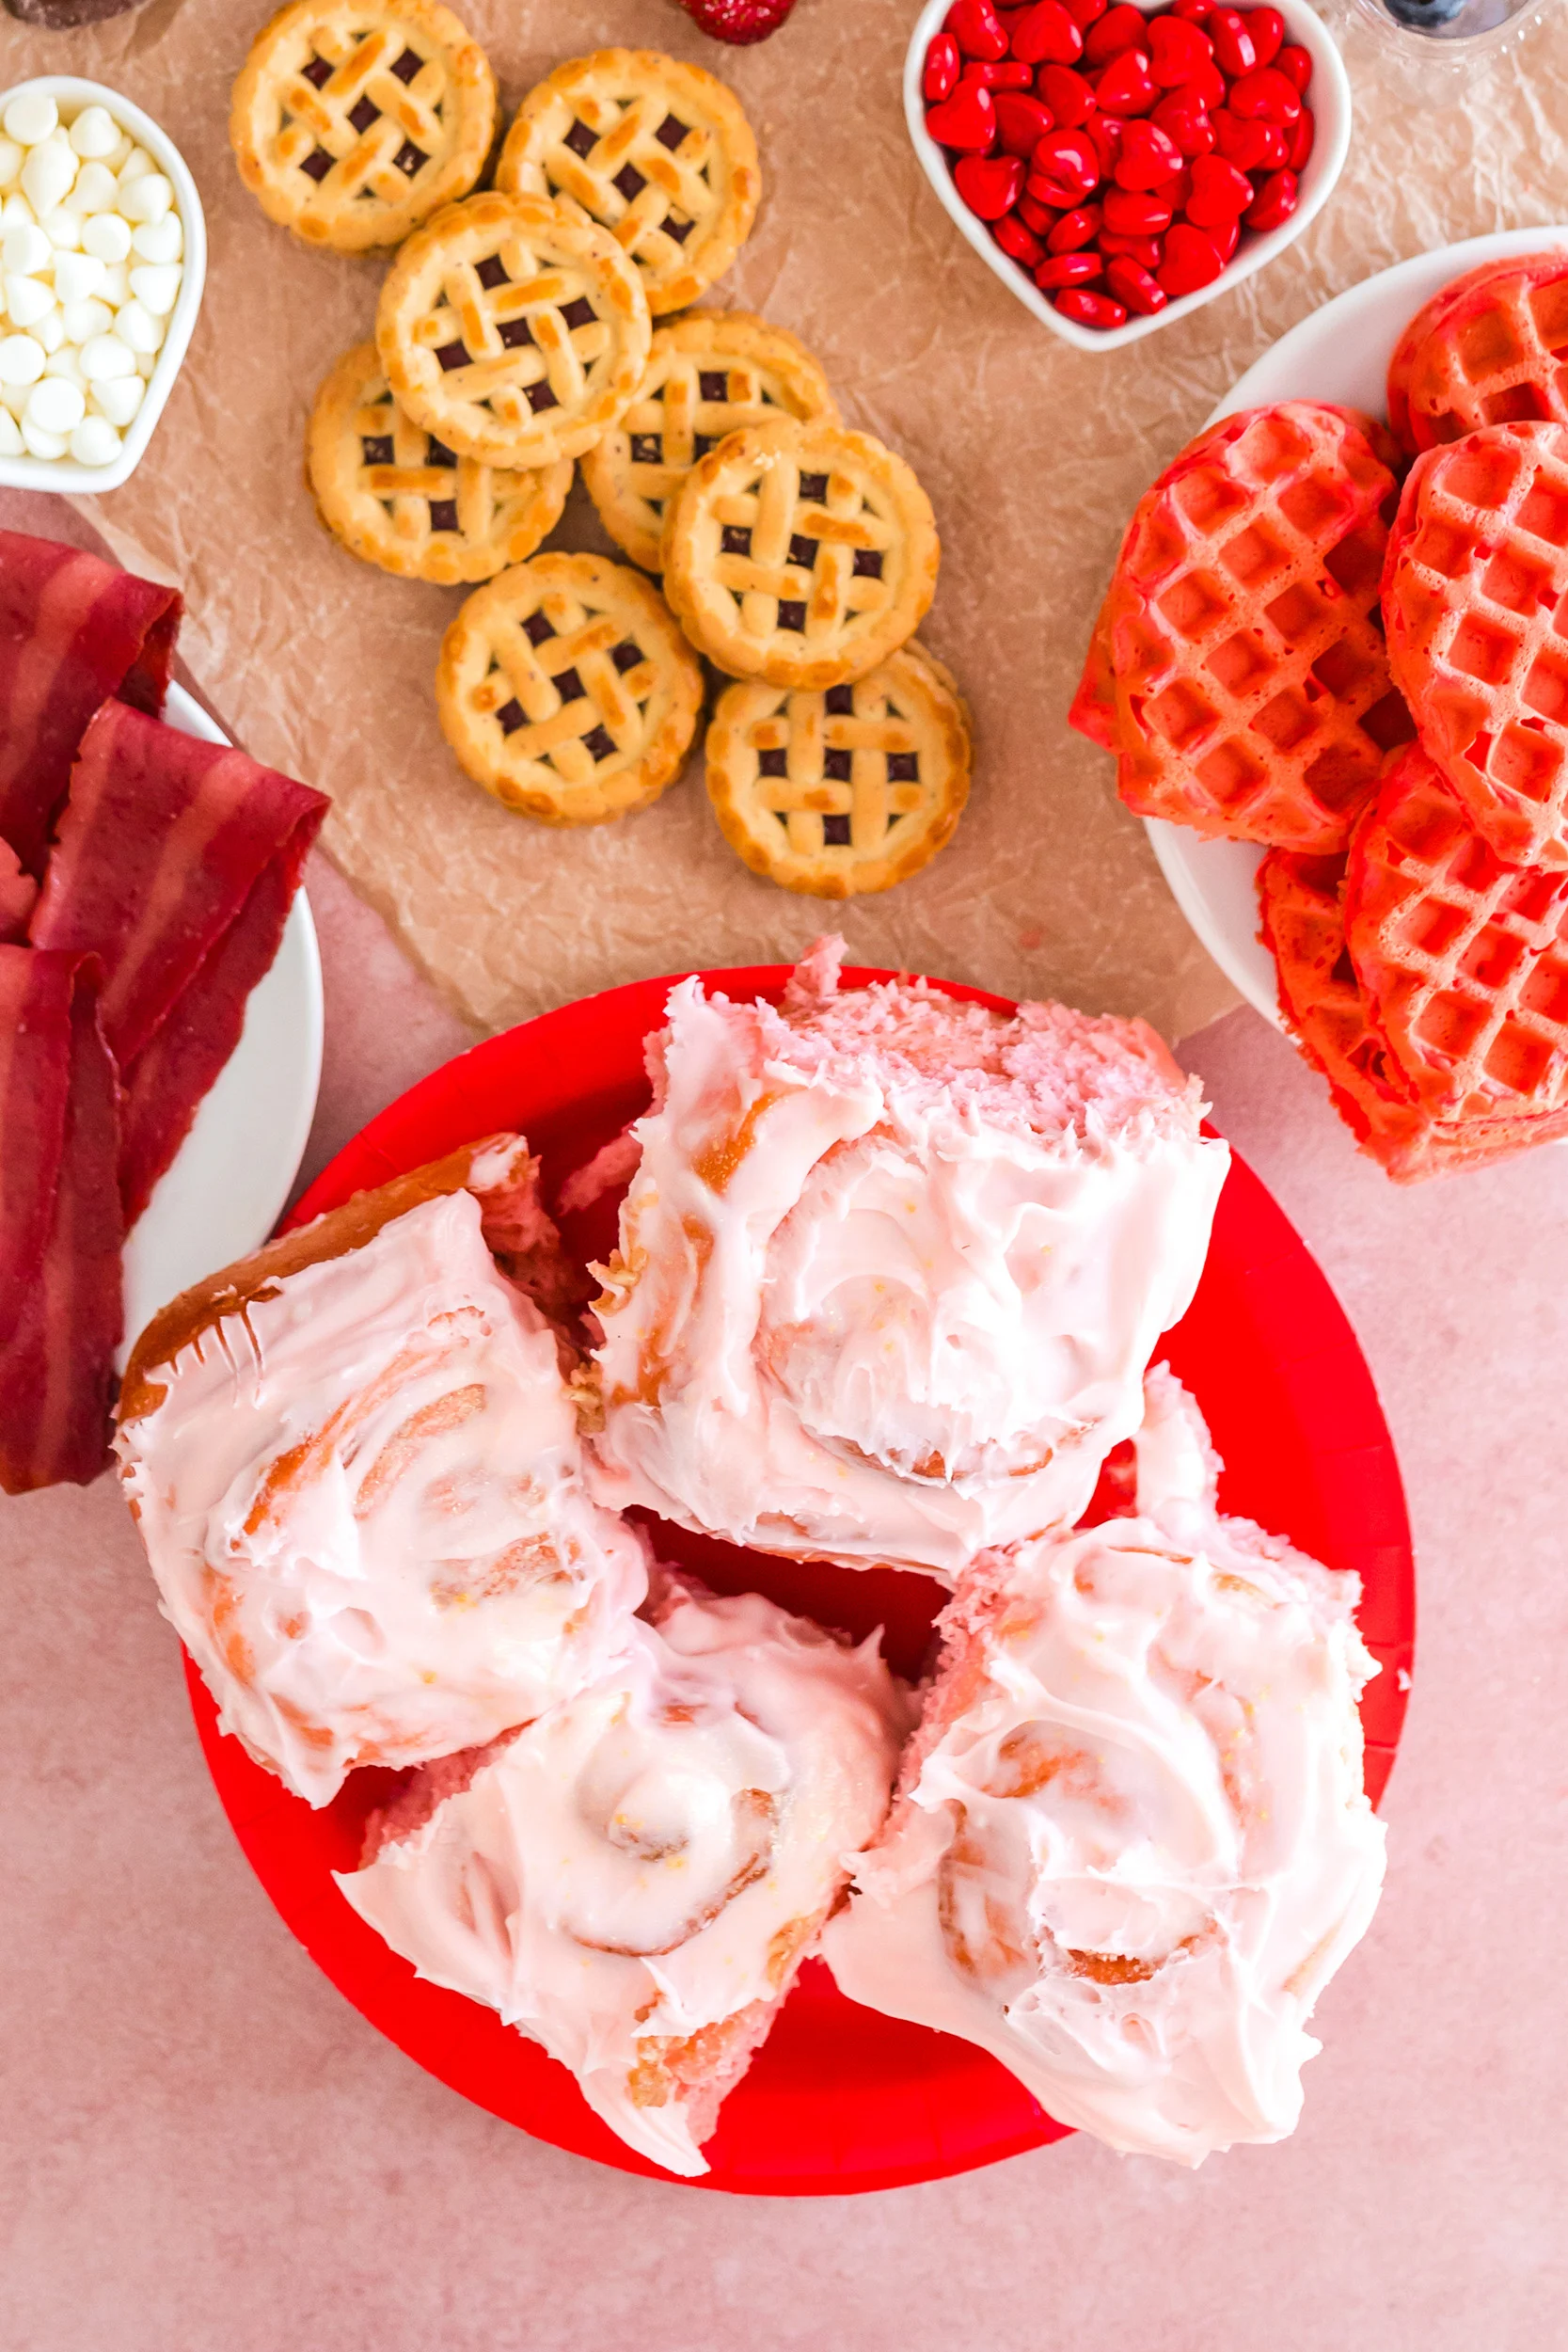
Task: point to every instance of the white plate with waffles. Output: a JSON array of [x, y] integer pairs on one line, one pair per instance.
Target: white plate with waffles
[[1340, 353], [231, 1177]]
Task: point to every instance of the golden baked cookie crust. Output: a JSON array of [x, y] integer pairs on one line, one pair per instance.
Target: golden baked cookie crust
[[845, 790], [565, 689], [708, 374], [803, 554], [512, 330], [353, 121], [659, 153], [396, 496]]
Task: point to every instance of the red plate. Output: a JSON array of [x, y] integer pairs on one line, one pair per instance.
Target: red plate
[[840, 2098]]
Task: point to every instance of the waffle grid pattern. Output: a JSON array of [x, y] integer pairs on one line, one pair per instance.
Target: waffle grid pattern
[[1253, 691], [1466, 956], [1497, 354], [1477, 605]]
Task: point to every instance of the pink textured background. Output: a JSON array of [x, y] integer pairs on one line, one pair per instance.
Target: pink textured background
[[203, 2149]]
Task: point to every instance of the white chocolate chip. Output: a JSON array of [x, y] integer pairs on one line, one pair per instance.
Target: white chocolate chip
[[95, 191], [83, 320], [21, 359], [41, 444], [24, 250], [16, 212], [108, 238], [95, 442], [54, 405], [146, 363], [31, 117], [160, 240], [137, 326], [123, 148], [77, 275], [138, 160], [65, 363], [117, 283], [10, 162], [104, 355], [28, 299], [157, 285], [94, 132], [63, 230], [48, 174], [120, 399], [11, 442], [49, 330], [146, 199]]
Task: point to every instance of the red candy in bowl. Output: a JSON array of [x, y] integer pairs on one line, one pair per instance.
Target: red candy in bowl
[[1179, 143]]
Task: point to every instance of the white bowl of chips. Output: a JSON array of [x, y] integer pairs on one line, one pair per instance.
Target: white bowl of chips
[[80, 328]]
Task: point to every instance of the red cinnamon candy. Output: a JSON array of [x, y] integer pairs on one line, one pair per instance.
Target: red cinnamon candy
[[966, 121], [1131, 213], [940, 76], [1178, 50], [1121, 28], [1266, 96], [1065, 169], [1147, 157], [1090, 309], [1067, 95], [1020, 122], [1046, 34], [1185, 123], [1220, 193], [1019, 243], [1192, 259], [1235, 52], [976, 28], [1067, 269], [1276, 200], [990, 185], [1134, 287], [1126, 86], [1075, 230]]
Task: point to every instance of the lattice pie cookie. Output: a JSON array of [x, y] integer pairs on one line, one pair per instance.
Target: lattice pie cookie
[[845, 790], [799, 553], [566, 689], [353, 121], [708, 374], [659, 153], [393, 494], [512, 330]]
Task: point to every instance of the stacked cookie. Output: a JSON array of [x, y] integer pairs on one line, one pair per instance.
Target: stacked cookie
[[515, 335]]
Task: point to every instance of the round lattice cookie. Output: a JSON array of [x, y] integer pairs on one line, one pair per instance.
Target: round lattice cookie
[[799, 553], [658, 153], [353, 121], [708, 375], [845, 789], [392, 493], [566, 689], [512, 330]]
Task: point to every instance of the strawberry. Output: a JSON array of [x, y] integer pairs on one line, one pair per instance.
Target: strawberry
[[739, 21]]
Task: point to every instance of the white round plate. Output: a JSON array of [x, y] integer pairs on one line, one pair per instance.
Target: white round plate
[[1341, 353], [224, 1192]]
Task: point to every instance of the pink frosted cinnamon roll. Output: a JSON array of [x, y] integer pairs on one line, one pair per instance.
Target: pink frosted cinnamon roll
[[891, 1268], [355, 1463], [1132, 1844], [634, 1879]]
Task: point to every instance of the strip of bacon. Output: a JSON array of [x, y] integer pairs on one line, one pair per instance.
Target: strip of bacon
[[18, 896], [165, 1082], [162, 840], [72, 631], [35, 1081], [57, 1359]]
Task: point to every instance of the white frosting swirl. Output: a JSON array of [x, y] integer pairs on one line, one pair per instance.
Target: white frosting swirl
[[891, 1269], [362, 1503], [1133, 1844], [634, 1879]]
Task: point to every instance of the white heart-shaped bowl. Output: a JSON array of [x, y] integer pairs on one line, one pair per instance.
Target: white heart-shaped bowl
[[70, 94], [1330, 101]]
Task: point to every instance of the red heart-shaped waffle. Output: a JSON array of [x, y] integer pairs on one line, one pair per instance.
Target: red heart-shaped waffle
[[1426, 320], [1493, 353], [1475, 601], [1322, 1004], [1463, 959], [1253, 698]]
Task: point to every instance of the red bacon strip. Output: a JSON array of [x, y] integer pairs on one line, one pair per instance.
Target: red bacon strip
[[176, 862], [57, 1359], [72, 631], [35, 1080], [18, 894]]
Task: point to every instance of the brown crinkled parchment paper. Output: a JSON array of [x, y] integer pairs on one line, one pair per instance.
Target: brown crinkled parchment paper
[[1032, 453]]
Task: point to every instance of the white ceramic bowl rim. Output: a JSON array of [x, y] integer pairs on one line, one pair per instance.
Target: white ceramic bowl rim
[[1331, 104], [63, 473]]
